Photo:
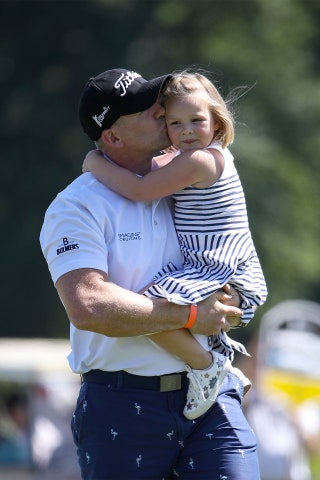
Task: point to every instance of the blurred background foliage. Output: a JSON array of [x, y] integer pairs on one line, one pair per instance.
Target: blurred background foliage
[[49, 48]]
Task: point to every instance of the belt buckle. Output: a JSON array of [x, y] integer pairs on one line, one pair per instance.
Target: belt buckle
[[169, 383]]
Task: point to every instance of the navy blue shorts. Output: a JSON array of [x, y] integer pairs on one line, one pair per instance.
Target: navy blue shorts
[[130, 433]]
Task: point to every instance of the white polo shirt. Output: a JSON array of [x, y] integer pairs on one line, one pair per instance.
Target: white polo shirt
[[88, 226]]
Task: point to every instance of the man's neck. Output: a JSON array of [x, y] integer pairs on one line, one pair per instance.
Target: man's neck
[[135, 165]]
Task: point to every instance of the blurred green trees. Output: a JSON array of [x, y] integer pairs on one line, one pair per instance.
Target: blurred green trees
[[49, 48]]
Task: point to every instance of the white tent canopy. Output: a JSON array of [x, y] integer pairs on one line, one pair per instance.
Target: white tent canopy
[[33, 360]]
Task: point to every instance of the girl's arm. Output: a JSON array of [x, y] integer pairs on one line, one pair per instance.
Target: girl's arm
[[200, 168]]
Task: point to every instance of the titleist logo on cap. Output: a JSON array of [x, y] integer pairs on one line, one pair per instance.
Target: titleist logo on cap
[[125, 80], [122, 83]]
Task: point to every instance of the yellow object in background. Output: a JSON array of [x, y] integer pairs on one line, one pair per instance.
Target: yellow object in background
[[298, 387]]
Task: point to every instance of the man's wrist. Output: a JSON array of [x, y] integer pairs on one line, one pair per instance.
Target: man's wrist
[[192, 316]]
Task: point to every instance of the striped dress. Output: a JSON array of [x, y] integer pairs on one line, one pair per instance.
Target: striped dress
[[217, 247]]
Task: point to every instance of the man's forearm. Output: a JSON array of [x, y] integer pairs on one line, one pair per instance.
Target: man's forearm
[[97, 305]]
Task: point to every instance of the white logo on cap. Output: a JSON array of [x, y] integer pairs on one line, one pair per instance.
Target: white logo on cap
[[125, 80], [99, 118]]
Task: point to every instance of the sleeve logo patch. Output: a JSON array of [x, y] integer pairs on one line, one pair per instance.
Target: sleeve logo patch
[[67, 245]]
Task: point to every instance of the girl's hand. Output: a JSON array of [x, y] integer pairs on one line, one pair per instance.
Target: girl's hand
[[86, 166]]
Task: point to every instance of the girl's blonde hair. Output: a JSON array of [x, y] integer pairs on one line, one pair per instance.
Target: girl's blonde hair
[[186, 83]]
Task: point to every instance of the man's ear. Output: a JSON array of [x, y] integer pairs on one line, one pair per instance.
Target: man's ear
[[110, 137]]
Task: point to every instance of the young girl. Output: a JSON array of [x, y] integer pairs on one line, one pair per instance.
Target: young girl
[[211, 222]]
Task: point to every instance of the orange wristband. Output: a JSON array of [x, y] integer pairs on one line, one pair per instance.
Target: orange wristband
[[192, 316]]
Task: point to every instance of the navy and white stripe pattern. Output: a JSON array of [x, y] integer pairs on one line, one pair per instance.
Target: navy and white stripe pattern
[[215, 239]]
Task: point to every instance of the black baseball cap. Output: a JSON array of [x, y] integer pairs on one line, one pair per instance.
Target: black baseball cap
[[114, 93]]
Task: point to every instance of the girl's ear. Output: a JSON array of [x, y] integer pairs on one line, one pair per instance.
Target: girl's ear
[[111, 138]]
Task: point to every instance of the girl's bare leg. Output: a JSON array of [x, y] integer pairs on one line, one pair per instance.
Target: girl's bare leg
[[184, 345]]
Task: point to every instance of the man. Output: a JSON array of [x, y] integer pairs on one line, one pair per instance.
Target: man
[[102, 248]]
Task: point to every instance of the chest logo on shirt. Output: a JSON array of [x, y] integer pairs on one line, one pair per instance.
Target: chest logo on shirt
[[67, 245], [129, 236]]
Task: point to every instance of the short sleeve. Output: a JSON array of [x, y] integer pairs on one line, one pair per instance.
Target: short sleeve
[[72, 238]]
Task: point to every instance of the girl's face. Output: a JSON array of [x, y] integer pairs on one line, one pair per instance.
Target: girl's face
[[189, 121]]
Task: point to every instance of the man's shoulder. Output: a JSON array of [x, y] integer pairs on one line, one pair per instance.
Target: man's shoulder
[[85, 181], [79, 194], [83, 188]]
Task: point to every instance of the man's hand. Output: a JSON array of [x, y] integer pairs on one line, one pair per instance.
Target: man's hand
[[218, 312], [230, 296]]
